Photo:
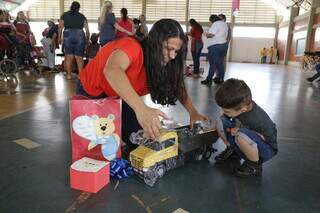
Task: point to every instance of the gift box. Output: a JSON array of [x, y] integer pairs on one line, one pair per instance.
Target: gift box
[[89, 175]]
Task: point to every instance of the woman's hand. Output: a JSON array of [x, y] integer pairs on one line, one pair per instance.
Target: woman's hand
[[148, 118], [130, 33], [195, 116]]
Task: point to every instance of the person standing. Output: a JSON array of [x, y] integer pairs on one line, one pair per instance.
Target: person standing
[[196, 45], [217, 48], [229, 36], [270, 53], [126, 23], [74, 39], [108, 25], [138, 30], [49, 43], [144, 29], [263, 55]]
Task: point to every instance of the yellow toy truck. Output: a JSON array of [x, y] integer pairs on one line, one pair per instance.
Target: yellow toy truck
[[152, 158]]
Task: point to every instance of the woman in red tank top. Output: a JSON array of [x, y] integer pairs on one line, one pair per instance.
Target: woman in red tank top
[[126, 23], [130, 69], [196, 45]]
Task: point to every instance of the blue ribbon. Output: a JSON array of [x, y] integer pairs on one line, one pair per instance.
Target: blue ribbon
[[120, 169]]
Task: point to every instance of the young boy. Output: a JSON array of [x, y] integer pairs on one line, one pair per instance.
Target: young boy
[[247, 129]]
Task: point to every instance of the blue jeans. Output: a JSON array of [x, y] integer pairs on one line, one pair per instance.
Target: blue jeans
[[196, 56], [216, 54], [264, 149]]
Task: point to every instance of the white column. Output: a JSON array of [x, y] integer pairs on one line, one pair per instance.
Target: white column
[[294, 11], [314, 5]]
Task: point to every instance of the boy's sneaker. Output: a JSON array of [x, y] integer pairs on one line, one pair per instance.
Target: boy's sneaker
[[249, 168], [225, 155]]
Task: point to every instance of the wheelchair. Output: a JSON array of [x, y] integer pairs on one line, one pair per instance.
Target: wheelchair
[[8, 68]]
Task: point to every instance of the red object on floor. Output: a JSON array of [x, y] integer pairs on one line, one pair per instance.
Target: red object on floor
[[95, 123], [89, 175]]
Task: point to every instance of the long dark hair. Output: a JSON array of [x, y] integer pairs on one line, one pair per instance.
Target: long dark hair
[[195, 24], [75, 7], [165, 82], [124, 14]]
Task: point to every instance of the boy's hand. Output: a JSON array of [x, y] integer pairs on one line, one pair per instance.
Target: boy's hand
[[195, 116]]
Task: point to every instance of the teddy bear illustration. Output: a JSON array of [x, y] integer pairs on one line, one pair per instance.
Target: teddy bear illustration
[[99, 130]]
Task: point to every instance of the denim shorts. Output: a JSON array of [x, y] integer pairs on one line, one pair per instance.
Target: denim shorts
[[74, 42], [264, 149]]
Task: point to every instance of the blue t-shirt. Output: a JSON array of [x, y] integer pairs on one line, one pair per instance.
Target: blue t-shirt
[[107, 30]]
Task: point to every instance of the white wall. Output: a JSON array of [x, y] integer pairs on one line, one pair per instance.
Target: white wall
[[247, 43], [243, 50], [248, 49]]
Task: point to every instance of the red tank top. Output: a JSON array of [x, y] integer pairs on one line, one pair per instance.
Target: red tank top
[[126, 25], [92, 76]]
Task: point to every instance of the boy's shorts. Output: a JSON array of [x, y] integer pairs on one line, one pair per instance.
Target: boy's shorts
[[74, 42], [264, 149]]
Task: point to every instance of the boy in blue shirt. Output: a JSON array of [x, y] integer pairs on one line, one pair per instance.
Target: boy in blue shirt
[[248, 131]]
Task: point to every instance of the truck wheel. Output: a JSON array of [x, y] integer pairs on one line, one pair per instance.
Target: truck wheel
[[198, 155], [150, 177], [161, 170], [207, 154], [171, 163]]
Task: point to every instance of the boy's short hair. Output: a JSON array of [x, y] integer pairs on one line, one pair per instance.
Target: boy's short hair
[[233, 94]]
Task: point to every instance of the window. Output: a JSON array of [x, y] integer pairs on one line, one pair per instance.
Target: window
[[89, 8], [256, 12], [168, 143], [158, 9], [154, 145], [301, 43], [201, 10], [44, 10], [134, 7]]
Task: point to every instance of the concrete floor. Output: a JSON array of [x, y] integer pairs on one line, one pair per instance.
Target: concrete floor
[[37, 180]]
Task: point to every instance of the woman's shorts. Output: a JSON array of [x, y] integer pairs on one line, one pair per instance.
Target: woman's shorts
[[74, 42]]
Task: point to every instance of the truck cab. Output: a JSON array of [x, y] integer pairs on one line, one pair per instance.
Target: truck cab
[[152, 159]]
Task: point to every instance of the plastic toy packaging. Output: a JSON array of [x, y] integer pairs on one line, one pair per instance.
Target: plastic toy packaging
[[169, 124], [154, 157], [138, 137]]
